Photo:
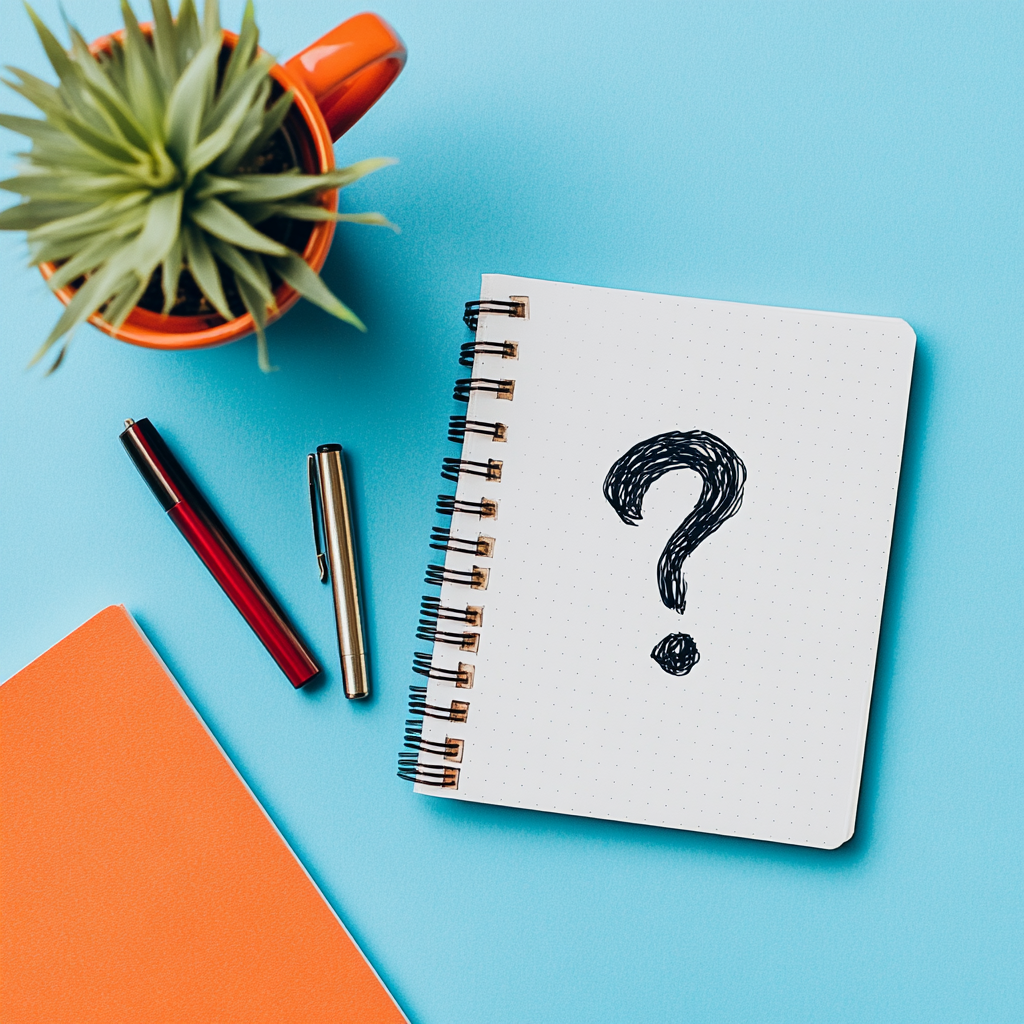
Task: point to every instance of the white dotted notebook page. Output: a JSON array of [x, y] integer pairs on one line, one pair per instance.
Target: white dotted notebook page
[[779, 433]]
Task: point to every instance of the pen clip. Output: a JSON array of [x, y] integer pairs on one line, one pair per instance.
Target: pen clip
[[321, 558]]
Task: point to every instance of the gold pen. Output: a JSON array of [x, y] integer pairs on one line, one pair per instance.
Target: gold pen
[[327, 475]]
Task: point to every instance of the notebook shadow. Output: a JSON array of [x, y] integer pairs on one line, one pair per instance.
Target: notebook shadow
[[463, 814]]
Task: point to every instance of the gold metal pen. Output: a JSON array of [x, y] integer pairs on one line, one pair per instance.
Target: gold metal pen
[[327, 475]]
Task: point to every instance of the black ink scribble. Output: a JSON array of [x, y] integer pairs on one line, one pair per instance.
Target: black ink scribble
[[676, 654], [723, 475]]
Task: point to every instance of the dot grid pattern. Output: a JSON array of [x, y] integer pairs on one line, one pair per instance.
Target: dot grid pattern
[[765, 737]]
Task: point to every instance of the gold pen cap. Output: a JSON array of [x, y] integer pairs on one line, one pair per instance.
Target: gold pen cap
[[338, 563]]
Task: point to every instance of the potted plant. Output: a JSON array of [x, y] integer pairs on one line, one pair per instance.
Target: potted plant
[[181, 190]]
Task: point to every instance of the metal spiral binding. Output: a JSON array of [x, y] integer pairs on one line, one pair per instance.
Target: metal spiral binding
[[442, 540], [459, 427], [462, 677], [485, 508], [474, 310], [450, 749], [464, 641], [452, 469], [410, 768], [471, 349], [475, 578], [431, 608], [464, 386], [457, 710], [442, 776]]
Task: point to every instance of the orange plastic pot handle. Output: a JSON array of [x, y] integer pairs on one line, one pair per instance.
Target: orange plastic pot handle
[[349, 69]]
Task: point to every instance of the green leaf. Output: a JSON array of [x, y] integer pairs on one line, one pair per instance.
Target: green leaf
[[96, 218], [188, 100], [307, 211], [162, 227], [55, 53], [117, 111], [214, 144], [96, 290], [32, 127], [213, 216], [206, 185], [244, 49], [171, 274], [269, 188], [92, 188], [244, 85], [204, 269], [211, 20], [26, 216], [60, 359], [345, 176], [164, 48], [122, 303], [235, 261], [272, 121], [255, 307], [142, 75], [248, 130], [189, 38], [87, 260], [301, 276]]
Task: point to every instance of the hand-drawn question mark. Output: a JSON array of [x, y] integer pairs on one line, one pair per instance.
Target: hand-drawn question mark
[[723, 474]]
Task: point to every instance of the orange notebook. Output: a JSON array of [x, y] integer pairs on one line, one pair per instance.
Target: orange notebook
[[140, 880]]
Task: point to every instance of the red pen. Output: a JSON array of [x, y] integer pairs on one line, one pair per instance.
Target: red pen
[[209, 537]]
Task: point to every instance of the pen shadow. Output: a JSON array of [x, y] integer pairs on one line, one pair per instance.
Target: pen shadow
[[460, 814]]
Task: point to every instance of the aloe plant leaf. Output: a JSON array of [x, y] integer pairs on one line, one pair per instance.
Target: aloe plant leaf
[[60, 358], [243, 85], [213, 216], [207, 184], [272, 121], [254, 304], [217, 141], [305, 280], [211, 20], [345, 176], [204, 269], [32, 127], [188, 35], [83, 304], [45, 98], [56, 186], [233, 259], [116, 109], [308, 211], [127, 297], [268, 188], [250, 129], [244, 49], [55, 53], [27, 216], [86, 260], [185, 107], [96, 218], [171, 274], [164, 48], [142, 75]]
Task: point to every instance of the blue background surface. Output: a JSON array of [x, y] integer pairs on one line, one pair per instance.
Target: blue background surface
[[860, 157]]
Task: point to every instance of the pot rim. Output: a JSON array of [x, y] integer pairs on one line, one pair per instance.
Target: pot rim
[[154, 330]]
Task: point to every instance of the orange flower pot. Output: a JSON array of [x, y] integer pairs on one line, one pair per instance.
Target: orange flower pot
[[335, 81]]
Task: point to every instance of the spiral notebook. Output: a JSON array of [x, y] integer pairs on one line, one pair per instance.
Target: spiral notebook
[[659, 565]]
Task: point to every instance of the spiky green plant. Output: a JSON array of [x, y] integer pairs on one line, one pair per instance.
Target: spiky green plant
[[147, 158]]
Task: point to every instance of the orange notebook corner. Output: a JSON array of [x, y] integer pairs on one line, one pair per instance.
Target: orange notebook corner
[[140, 879]]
